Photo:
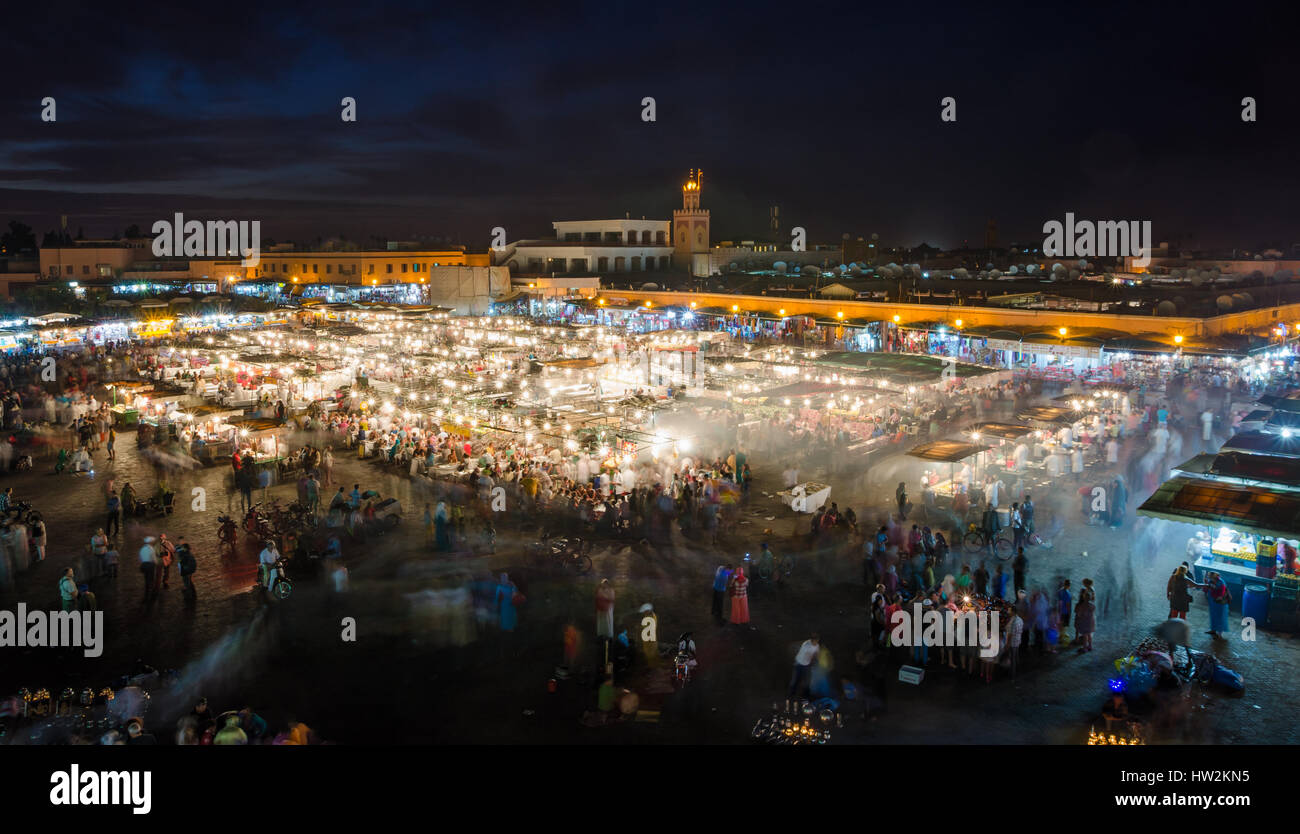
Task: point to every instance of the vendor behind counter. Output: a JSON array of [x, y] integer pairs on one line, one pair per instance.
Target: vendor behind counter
[[1242, 558]]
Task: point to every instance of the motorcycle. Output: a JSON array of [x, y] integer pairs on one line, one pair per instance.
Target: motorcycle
[[388, 513], [20, 511], [487, 539], [162, 506], [228, 534], [256, 523], [281, 587], [684, 663], [572, 553]]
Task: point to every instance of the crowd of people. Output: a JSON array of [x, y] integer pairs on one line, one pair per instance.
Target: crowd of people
[[593, 486]]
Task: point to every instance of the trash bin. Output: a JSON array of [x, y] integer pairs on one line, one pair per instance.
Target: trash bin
[[1254, 603]]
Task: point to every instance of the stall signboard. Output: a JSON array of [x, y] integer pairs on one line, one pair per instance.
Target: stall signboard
[[1063, 351]]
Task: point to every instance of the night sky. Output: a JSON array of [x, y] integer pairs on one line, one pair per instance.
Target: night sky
[[477, 115]]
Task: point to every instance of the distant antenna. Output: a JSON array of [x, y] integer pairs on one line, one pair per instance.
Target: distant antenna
[[775, 214]]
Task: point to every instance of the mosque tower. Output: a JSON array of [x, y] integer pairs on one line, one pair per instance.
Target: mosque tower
[[691, 229]]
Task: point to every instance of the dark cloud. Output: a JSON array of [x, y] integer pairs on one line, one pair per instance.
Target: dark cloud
[[472, 116]]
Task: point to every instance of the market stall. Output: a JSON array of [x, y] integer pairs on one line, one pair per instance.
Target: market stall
[[210, 434], [951, 452], [1249, 535], [1011, 453], [259, 442], [806, 497]]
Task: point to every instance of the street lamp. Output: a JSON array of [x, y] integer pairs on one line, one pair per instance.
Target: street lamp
[[1062, 331]]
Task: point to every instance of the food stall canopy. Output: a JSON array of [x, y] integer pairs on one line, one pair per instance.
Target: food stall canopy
[[1071, 399], [803, 388], [55, 318], [999, 332], [256, 425], [1082, 337], [900, 367], [1283, 420], [1252, 509], [1260, 443], [208, 411], [947, 451], [1254, 470], [1006, 431], [1225, 344], [1281, 403], [1048, 414], [1149, 343]]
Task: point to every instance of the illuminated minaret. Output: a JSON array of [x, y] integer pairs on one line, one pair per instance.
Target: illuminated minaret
[[691, 229]]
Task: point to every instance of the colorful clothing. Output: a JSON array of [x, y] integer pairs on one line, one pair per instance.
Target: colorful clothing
[[740, 599]]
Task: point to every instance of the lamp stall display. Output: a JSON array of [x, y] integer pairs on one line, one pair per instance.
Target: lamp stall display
[[1102, 739], [800, 722]]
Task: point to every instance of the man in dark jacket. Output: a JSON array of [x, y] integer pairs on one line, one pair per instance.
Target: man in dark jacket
[[1019, 566], [185, 559]]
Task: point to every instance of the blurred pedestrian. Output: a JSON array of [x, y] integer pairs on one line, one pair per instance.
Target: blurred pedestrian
[[149, 566], [68, 590], [506, 597], [739, 597], [605, 610], [1216, 591], [801, 676], [1019, 567], [187, 564], [1085, 616], [720, 579], [1064, 602], [1179, 593], [38, 533]]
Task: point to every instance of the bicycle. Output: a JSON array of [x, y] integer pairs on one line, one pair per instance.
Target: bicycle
[[977, 541]]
